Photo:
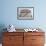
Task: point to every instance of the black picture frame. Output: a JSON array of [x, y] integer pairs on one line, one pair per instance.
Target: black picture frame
[[25, 13]]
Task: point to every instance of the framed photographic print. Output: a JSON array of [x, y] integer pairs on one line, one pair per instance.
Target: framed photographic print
[[25, 13]]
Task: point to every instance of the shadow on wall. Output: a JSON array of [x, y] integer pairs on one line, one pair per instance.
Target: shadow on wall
[[2, 26]]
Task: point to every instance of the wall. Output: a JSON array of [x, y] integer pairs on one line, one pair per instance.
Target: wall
[[8, 13]]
